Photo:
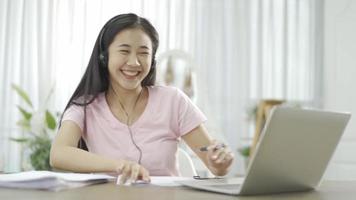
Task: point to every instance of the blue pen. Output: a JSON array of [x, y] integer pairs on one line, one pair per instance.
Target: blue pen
[[219, 146]]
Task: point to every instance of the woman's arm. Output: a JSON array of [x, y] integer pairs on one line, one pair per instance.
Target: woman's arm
[[217, 160], [66, 156]]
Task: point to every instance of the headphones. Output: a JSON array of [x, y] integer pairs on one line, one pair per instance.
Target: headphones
[[103, 55]]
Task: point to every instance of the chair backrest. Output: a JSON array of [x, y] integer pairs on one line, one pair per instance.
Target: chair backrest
[[186, 166], [263, 110]]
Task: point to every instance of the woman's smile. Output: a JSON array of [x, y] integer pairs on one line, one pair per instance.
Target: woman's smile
[[130, 74]]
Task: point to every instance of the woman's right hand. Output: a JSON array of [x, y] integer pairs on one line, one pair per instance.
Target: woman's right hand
[[131, 171]]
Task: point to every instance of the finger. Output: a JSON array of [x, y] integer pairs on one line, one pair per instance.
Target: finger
[[222, 156], [212, 149], [227, 162], [217, 146], [225, 158], [119, 168], [126, 172], [145, 175], [216, 154], [230, 159], [225, 154], [135, 169]]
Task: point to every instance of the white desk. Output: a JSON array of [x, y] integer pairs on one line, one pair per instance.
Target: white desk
[[329, 190]]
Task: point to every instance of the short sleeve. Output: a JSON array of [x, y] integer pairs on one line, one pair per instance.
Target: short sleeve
[[189, 115], [76, 114]]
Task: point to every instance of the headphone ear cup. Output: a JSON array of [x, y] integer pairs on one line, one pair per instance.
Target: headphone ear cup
[[103, 59]]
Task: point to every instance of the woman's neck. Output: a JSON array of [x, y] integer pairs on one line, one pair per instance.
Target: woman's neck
[[127, 98]]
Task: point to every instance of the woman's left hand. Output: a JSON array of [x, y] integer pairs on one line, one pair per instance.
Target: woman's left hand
[[219, 157]]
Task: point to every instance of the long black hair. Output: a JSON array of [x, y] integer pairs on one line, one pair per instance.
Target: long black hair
[[96, 77]]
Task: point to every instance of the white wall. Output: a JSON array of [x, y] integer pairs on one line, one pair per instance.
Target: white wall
[[340, 79]]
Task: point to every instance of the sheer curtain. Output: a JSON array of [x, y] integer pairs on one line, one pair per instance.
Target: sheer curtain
[[284, 50], [25, 59], [244, 50], [250, 50]]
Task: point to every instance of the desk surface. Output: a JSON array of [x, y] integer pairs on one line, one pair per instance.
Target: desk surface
[[328, 190]]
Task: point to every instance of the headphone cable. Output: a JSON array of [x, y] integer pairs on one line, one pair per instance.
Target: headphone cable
[[128, 123]]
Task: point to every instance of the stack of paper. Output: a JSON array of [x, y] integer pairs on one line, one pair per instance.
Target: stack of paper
[[53, 181]]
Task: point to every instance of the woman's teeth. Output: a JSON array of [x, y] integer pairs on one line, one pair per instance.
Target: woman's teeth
[[130, 73]]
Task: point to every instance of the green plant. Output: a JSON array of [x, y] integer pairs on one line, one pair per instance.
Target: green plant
[[37, 124], [251, 113], [245, 151]]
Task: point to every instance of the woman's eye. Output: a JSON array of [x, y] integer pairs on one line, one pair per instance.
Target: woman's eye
[[124, 51]]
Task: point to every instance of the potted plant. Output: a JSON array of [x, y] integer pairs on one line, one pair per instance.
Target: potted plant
[[38, 126]]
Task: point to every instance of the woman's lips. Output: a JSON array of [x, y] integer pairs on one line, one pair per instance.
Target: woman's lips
[[129, 74]]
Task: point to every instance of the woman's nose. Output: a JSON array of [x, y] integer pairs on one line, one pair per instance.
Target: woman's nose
[[133, 61]]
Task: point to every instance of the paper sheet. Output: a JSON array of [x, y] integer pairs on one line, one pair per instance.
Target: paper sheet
[[55, 181], [166, 181], [38, 175]]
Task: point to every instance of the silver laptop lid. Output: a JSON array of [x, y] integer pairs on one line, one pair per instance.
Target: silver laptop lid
[[294, 150]]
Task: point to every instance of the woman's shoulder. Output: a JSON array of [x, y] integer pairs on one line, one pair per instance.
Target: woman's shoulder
[[162, 90], [90, 101]]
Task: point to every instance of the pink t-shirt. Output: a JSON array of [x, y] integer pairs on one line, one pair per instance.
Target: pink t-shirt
[[169, 114]]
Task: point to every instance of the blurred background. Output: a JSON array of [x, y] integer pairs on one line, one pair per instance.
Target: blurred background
[[228, 56]]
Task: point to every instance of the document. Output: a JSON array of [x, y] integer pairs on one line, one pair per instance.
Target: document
[[166, 181], [169, 181], [54, 181]]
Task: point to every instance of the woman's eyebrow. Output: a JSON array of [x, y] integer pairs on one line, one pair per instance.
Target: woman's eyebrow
[[144, 47], [128, 46], [124, 45]]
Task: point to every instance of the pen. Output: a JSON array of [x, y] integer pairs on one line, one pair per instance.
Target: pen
[[219, 146]]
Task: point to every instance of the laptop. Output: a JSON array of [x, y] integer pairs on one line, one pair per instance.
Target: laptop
[[292, 154]]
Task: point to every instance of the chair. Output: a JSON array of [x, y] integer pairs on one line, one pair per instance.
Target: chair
[[186, 166], [263, 110]]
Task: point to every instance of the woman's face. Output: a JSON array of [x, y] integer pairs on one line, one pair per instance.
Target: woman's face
[[130, 57]]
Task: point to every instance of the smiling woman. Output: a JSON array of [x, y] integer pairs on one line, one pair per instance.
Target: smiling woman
[[243, 51], [123, 117]]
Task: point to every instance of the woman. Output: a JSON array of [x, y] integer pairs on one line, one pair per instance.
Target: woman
[[130, 126]]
